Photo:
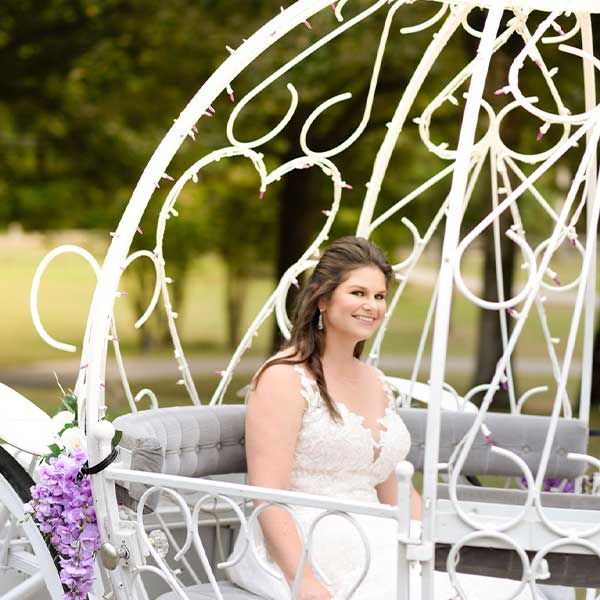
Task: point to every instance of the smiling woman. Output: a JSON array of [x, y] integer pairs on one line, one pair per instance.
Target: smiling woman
[[358, 302], [321, 421], [317, 390], [350, 281]]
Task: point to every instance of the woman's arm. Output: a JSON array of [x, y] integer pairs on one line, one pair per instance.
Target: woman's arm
[[387, 492], [273, 420]]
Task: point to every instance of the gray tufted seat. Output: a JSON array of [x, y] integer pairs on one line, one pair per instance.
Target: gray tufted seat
[[189, 441], [206, 441]]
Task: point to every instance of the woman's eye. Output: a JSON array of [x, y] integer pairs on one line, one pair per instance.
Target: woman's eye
[[380, 297], [357, 293]]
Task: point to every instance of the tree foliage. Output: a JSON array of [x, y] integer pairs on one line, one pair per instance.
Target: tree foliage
[[94, 86]]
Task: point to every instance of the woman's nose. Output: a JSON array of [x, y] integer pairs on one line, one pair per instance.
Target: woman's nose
[[369, 303]]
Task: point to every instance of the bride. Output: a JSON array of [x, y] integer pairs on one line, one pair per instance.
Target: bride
[[320, 421]]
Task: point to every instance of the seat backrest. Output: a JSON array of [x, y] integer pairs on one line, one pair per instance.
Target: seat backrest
[[193, 441], [200, 441], [525, 435]]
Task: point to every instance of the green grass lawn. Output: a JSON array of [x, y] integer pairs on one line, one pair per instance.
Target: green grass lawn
[[67, 287], [65, 295]]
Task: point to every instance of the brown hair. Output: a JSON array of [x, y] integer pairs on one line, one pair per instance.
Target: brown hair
[[307, 341]]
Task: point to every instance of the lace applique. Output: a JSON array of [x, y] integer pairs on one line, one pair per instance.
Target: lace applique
[[310, 389], [341, 458], [389, 391]]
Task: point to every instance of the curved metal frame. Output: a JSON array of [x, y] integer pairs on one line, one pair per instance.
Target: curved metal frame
[[466, 163]]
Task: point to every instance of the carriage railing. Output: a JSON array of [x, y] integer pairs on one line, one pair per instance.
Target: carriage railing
[[472, 523], [229, 496], [578, 213]]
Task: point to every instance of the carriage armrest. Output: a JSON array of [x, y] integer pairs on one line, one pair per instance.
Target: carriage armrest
[[195, 441], [145, 454]]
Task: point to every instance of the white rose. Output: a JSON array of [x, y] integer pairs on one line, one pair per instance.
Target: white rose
[[64, 417], [73, 439]]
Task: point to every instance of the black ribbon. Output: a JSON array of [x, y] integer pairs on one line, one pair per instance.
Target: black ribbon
[[105, 462]]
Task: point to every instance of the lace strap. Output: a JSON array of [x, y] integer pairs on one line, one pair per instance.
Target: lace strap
[[309, 388], [389, 392]]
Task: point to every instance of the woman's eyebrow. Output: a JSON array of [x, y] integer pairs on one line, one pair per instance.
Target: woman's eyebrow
[[357, 285], [362, 287]]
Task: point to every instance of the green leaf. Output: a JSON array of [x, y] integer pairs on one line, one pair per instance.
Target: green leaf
[[67, 426], [55, 450], [116, 438], [69, 401]]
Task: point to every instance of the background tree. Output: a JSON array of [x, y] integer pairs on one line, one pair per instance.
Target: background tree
[[94, 86]]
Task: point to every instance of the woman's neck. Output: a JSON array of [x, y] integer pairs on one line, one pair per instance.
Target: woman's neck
[[338, 357]]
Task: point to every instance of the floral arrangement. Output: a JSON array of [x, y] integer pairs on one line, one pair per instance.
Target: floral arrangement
[[62, 504]]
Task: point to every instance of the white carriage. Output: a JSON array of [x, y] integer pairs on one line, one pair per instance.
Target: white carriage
[[169, 507]]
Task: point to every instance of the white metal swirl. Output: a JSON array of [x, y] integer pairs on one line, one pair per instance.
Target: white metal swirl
[[511, 181], [163, 568], [35, 286], [484, 534], [306, 551], [346, 96], [284, 69], [563, 116]]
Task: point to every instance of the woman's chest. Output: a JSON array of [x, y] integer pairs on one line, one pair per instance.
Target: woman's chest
[[365, 401], [348, 445]]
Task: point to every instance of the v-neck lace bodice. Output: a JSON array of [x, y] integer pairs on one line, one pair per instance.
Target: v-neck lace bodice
[[344, 459], [339, 459]]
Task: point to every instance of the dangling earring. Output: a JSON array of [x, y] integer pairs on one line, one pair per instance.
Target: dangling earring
[[320, 325]]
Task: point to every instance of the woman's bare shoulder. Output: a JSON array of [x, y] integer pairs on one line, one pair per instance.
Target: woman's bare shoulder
[[279, 380], [279, 372], [279, 369]]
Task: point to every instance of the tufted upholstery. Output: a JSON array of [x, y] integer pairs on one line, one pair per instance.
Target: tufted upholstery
[[524, 435], [189, 441], [209, 440], [192, 441]]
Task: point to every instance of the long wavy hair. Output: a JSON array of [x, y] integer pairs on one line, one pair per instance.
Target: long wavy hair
[[307, 341]]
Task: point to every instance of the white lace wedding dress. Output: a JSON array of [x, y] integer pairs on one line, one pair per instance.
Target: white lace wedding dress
[[344, 461]]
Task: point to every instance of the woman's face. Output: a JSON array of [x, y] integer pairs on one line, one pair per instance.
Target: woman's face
[[357, 306]]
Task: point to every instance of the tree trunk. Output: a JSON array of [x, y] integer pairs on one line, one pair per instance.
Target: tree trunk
[[155, 332], [294, 232], [178, 271], [236, 294], [143, 275], [489, 347], [295, 219], [595, 388]]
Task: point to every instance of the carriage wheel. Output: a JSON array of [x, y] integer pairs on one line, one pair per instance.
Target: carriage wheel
[[27, 568]]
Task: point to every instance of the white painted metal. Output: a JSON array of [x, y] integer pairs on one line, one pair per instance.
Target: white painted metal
[[38, 555], [422, 393], [528, 527], [30, 589], [24, 425], [442, 316], [35, 286]]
